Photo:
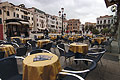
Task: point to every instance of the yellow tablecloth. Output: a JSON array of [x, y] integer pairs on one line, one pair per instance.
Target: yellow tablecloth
[[63, 36], [40, 36], [15, 37], [41, 70], [99, 39], [53, 37], [41, 42], [23, 40], [71, 38], [79, 47], [79, 36], [9, 50], [91, 36]]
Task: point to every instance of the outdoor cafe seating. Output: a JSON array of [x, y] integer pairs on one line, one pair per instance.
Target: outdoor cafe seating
[[41, 63], [54, 74]]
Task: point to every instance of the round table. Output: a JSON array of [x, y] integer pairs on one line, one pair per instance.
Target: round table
[[79, 36], [71, 38], [15, 37], [40, 36], [23, 40], [41, 42], [9, 50], [88, 35], [99, 39], [41, 70], [79, 48], [53, 37]]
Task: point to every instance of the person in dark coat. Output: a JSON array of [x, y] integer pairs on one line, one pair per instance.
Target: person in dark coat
[[46, 33]]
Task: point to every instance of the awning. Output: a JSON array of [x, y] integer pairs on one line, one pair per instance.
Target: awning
[[13, 23], [23, 22], [108, 3]]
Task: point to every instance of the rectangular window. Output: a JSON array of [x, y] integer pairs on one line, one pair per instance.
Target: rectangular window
[[25, 17], [0, 20], [100, 22], [14, 14], [37, 24], [28, 18], [22, 16], [108, 21], [112, 21], [17, 9], [8, 14], [0, 11], [97, 22]]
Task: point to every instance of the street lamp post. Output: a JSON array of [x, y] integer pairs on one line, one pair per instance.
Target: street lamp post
[[117, 2], [62, 15]]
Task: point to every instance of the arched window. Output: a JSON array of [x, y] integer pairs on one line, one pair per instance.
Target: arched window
[[104, 21]]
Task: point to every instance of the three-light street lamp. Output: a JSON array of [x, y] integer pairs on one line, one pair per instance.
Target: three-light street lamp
[[62, 15]]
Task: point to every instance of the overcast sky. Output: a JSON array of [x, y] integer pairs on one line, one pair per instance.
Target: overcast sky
[[85, 10]]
